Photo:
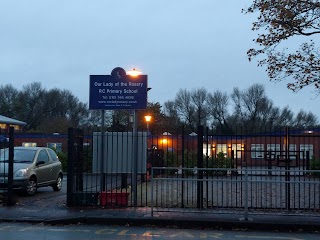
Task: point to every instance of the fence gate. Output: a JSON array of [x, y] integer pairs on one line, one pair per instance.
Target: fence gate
[[106, 170]]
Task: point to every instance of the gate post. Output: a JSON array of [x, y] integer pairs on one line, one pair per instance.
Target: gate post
[[200, 165], [70, 173], [79, 160], [287, 174], [10, 200], [182, 165]]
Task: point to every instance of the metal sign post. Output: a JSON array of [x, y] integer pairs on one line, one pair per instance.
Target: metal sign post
[[103, 176], [113, 92], [135, 159]]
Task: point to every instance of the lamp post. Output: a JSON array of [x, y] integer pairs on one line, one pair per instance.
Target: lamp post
[[134, 73], [148, 119]]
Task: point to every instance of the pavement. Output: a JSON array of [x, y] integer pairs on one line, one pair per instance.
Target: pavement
[[53, 211]]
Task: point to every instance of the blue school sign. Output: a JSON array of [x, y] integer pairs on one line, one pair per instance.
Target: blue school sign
[[118, 91]]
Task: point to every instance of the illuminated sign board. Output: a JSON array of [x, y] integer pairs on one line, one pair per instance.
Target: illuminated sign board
[[118, 91]]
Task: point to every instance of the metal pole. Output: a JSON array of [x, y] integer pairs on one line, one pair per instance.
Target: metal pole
[[246, 195], [200, 166], [10, 200], [70, 170], [183, 165], [102, 175], [152, 197], [287, 175], [135, 158]]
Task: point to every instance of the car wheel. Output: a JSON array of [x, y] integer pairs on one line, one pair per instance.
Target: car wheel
[[58, 185], [32, 186]]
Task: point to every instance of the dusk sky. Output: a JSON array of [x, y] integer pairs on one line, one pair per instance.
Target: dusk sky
[[179, 44]]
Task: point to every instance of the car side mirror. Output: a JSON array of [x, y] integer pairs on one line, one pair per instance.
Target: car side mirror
[[40, 163]]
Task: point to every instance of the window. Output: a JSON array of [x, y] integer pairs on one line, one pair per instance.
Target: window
[[206, 149], [43, 156], [273, 150], [257, 151], [293, 155], [53, 155], [55, 146], [304, 148], [222, 148], [16, 127], [237, 149], [29, 144]]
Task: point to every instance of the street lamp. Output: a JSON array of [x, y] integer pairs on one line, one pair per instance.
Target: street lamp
[[134, 72], [148, 119]]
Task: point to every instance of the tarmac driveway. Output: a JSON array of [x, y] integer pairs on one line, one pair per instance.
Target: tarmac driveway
[[45, 197]]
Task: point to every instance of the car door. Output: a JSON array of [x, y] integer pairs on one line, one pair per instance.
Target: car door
[[43, 167], [55, 165]]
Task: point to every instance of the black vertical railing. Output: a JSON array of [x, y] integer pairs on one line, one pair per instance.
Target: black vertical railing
[[10, 199], [70, 167], [75, 165], [182, 165], [79, 160], [287, 173], [200, 166]]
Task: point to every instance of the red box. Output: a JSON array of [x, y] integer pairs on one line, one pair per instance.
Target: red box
[[114, 199]]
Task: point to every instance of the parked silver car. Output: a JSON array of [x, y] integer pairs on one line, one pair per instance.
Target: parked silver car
[[33, 167]]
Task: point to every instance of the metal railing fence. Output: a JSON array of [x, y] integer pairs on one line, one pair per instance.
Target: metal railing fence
[[246, 191]]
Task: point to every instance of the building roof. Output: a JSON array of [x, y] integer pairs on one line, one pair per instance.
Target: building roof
[[7, 120]]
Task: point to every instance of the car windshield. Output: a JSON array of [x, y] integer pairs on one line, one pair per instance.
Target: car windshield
[[20, 155]]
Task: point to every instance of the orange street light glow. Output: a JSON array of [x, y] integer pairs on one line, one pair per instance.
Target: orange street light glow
[[164, 141], [134, 72], [148, 118]]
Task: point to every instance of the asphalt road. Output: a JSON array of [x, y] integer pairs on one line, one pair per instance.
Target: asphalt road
[[21, 231]]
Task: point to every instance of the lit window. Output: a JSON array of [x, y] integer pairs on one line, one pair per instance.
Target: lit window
[[293, 153], [257, 151], [273, 150], [206, 149], [222, 148], [237, 148], [29, 144], [304, 148]]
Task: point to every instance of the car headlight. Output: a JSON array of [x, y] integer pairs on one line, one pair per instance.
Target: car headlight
[[21, 173]]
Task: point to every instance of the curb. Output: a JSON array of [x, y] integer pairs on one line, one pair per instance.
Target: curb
[[176, 223]]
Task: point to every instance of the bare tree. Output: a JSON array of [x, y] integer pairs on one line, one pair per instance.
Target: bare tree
[[218, 104], [8, 100], [172, 119], [305, 120], [185, 108], [199, 98], [280, 118], [31, 105], [252, 107], [191, 107]]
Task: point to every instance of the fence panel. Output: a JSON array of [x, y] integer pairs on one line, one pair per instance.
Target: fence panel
[[243, 192]]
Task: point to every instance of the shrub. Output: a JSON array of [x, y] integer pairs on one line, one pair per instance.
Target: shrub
[[220, 162], [315, 165], [63, 157]]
